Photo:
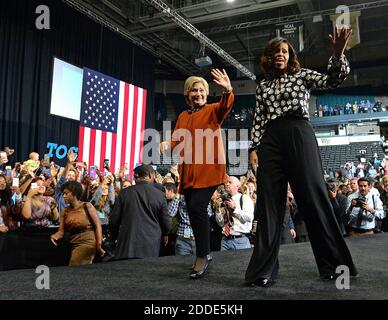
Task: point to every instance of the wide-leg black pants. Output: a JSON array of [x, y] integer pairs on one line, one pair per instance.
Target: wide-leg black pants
[[197, 201], [289, 153]]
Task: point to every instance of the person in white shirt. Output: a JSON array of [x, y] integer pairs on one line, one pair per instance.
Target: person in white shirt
[[235, 216], [363, 209]]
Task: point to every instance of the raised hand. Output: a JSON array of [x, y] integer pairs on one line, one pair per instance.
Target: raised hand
[[71, 156], [222, 79], [340, 40]]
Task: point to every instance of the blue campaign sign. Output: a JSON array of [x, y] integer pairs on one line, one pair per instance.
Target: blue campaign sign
[[60, 151]]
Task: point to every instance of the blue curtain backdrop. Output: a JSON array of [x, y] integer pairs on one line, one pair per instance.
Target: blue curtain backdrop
[[26, 65]]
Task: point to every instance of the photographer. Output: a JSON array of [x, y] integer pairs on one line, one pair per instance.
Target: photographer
[[235, 215], [363, 208], [339, 203]]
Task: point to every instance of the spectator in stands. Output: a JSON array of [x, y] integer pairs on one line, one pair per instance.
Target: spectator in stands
[[36, 209], [126, 184], [339, 201], [384, 199], [185, 241], [354, 185], [69, 174], [343, 189], [33, 163], [3, 227], [235, 215], [8, 198], [348, 107], [199, 178], [297, 219], [372, 188], [104, 199], [363, 208], [288, 233], [140, 218], [215, 229], [282, 136], [80, 219], [5, 196], [6, 158]]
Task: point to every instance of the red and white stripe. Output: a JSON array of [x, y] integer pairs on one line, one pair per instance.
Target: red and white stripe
[[123, 147]]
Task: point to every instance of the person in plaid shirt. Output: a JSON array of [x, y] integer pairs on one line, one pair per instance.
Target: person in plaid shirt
[[185, 241]]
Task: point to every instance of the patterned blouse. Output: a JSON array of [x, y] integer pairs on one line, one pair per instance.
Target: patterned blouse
[[42, 216], [288, 95]]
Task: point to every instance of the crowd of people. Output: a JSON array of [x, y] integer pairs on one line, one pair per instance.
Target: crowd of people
[[36, 194], [39, 194], [355, 107]]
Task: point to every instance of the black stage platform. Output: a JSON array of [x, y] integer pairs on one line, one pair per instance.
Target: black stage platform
[[167, 278]]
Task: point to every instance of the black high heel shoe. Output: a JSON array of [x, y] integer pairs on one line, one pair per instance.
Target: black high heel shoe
[[200, 274], [208, 257], [263, 282]]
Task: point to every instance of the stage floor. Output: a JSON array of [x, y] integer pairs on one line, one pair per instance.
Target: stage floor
[[167, 278]]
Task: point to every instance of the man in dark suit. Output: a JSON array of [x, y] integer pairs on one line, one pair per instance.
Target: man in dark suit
[[140, 218]]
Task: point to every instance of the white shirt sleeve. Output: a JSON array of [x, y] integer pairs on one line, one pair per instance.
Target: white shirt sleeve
[[244, 214]]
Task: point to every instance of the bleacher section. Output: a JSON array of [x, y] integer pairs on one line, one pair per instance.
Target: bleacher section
[[335, 156]]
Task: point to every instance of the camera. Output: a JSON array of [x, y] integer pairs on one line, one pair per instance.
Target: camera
[[331, 186], [361, 200], [225, 196]]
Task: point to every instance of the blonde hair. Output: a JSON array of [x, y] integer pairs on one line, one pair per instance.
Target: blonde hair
[[30, 156], [384, 178], [191, 81]]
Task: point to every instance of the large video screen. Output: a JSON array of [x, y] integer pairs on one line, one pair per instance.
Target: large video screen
[[66, 90]]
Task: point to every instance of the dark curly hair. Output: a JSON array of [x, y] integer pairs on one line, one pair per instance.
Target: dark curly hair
[[74, 187], [267, 63]]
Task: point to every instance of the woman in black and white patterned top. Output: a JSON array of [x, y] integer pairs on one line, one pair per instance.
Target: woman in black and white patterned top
[[286, 149]]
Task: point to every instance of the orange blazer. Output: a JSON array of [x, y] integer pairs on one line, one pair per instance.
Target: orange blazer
[[198, 141]]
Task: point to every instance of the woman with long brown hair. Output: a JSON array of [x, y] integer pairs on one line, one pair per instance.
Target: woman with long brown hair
[[37, 209], [285, 147]]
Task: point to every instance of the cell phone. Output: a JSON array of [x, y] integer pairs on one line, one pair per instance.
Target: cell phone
[[3, 155], [15, 182], [92, 172], [47, 158], [8, 171], [34, 185]]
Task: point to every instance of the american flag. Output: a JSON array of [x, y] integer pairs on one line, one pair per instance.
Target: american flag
[[111, 122]]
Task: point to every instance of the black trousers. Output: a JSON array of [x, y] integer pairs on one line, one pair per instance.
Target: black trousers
[[197, 201], [289, 153]]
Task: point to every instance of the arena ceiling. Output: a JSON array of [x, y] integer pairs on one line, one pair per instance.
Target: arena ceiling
[[240, 28]]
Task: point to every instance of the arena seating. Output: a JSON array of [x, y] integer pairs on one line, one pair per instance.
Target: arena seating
[[335, 156]]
